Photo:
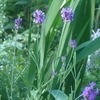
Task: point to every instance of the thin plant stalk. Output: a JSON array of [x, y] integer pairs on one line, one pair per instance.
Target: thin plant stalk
[[30, 25], [65, 71], [61, 39], [12, 75]]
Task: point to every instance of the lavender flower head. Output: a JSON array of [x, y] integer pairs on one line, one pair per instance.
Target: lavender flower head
[[67, 14], [39, 17], [90, 93], [73, 43], [54, 73], [18, 23], [63, 58]]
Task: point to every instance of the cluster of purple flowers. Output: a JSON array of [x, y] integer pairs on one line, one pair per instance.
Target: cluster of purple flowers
[[67, 14], [39, 17], [18, 23], [90, 93]]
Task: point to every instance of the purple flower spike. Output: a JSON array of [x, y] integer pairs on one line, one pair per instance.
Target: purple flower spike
[[73, 43], [39, 17], [18, 23], [67, 14]]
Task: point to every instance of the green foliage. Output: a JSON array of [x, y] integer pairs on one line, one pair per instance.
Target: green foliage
[[20, 68], [88, 50], [21, 2], [23, 9], [47, 35], [97, 15], [31, 63], [59, 95], [93, 68], [97, 1]]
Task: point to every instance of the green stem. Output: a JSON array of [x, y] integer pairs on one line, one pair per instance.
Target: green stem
[[61, 39], [39, 69], [30, 19], [70, 58], [7, 93], [65, 71], [47, 82], [12, 75], [38, 35], [29, 37], [78, 97]]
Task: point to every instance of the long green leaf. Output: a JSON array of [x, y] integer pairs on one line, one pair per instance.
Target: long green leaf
[[82, 45], [21, 2], [93, 46]]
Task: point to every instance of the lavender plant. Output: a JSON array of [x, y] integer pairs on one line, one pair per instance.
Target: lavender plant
[[51, 75], [45, 65]]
